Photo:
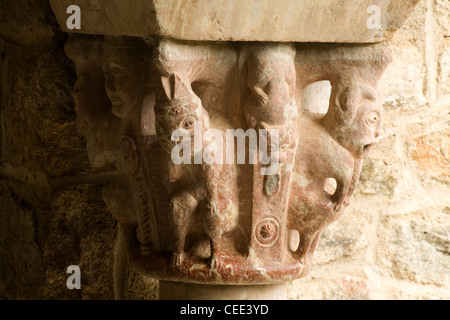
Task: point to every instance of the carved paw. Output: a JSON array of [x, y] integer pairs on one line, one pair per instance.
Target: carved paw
[[262, 99], [214, 262], [177, 259]]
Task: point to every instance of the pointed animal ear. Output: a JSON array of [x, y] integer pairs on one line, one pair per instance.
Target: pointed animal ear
[[346, 102], [181, 89], [369, 93], [168, 84]]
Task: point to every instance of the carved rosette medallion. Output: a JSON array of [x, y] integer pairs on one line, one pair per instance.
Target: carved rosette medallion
[[267, 231]]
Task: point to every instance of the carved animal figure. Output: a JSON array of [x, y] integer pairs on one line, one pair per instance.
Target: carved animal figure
[[286, 143], [332, 147], [354, 116], [201, 190], [271, 79]]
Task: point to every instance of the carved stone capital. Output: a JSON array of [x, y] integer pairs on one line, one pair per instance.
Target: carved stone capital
[[226, 222], [219, 164]]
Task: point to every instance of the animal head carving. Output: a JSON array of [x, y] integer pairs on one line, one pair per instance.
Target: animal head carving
[[286, 138], [181, 108], [354, 116]]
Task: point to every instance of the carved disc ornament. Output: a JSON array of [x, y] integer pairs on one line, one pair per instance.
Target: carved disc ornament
[[267, 231], [195, 205]]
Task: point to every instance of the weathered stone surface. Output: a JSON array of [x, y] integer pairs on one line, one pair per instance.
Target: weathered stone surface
[[444, 67], [186, 291], [288, 20], [22, 273], [37, 120], [400, 84], [338, 286], [74, 239], [416, 246], [404, 82], [442, 8], [442, 37], [45, 227], [345, 239], [22, 23], [382, 170], [140, 287], [427, 146], [431, 156]]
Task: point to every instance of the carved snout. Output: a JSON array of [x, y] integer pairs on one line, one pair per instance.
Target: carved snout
[[364, 149], [368, 142]]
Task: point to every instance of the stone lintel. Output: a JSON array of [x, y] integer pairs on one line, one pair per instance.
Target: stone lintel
[[331, 21]]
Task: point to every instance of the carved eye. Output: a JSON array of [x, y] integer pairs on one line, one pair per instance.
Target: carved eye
[[116, 72], [372, 119], [284, 147], [188, 123]]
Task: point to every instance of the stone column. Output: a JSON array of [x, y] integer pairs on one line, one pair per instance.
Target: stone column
[[225, 179]]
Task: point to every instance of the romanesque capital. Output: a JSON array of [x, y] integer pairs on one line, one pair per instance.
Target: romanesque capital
[[224, 178]]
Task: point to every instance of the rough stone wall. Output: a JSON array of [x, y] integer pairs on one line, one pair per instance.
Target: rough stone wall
[[392, 243], [52, 214]]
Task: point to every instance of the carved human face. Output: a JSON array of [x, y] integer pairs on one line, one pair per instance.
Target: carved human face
[[88, 91], [122, 83]]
